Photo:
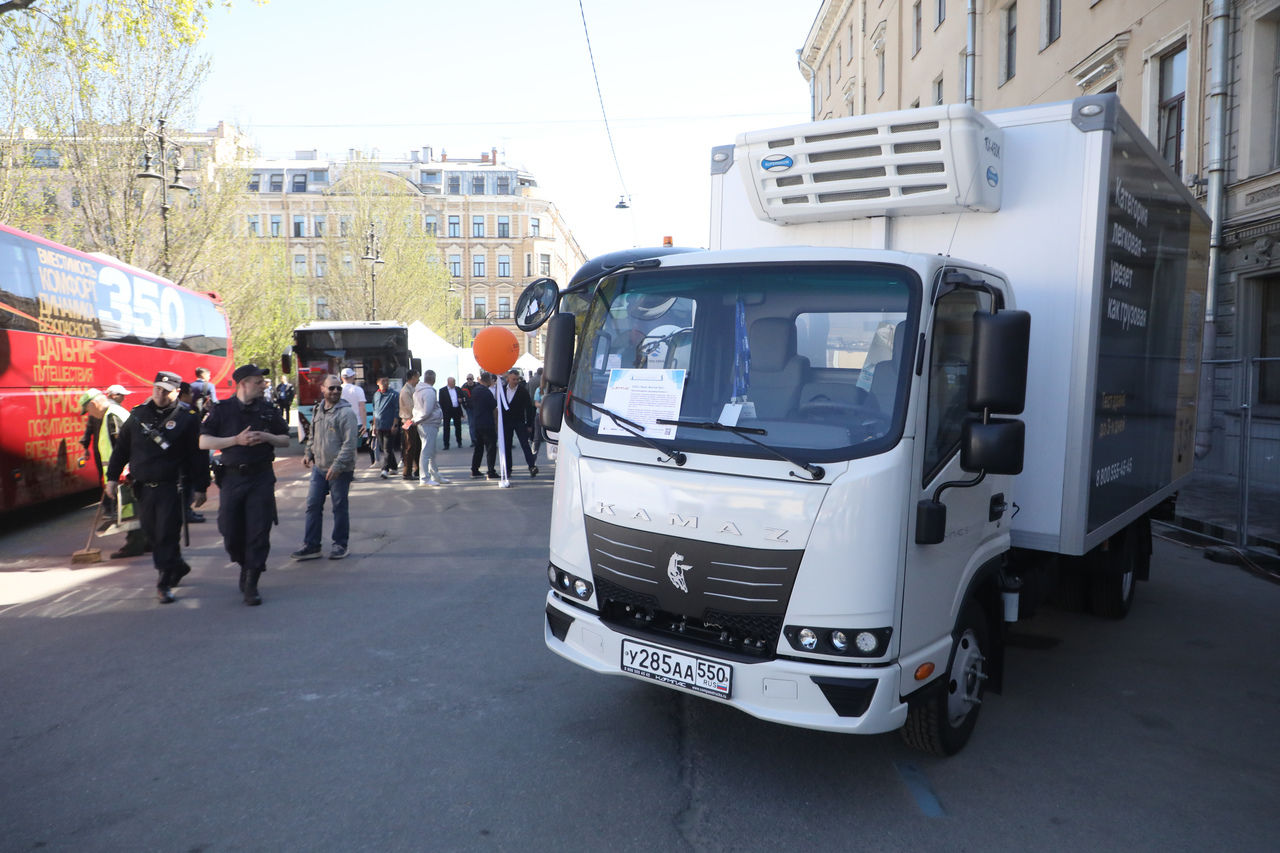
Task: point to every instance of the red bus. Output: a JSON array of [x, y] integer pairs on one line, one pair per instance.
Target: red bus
[[71, 321]]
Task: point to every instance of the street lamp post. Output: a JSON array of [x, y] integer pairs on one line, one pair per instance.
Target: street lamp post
[[373, 254], [168, 154]]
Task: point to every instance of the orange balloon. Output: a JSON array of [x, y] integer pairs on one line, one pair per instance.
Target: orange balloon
[[495, 349]]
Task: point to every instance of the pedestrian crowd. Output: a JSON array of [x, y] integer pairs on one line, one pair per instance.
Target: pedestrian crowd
[[157, 461]]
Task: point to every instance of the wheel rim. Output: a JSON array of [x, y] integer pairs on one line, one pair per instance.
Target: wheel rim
[[967, 675]]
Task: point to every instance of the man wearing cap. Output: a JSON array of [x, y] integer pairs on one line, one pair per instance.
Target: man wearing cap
[[247, 430], [354, 394], [110, 417], [160, 442]]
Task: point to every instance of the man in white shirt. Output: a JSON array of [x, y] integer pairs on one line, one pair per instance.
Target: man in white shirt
[[427, 417], [354, 394]]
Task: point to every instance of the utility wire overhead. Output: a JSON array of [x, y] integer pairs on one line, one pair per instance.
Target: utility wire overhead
[[600, 95]]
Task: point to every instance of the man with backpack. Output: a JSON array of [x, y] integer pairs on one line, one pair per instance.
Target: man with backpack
[[203, 392]]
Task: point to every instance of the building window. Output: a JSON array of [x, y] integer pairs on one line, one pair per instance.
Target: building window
[[455, 226], [255, 226], [937, 91], [535, 227], [1173, 97], [1009, 43], [477, 266], [255, 180], [1052, 21], [1275, 101], [277, 183], [320, 176], [319, 225], [429, 179], [300, 182], [299, 226], [322, 308], [455, 185], [528, 265], [429, 224], [348, 264], [504, 307], [504, 266], [1269, 343], [477, 184], [479, 308], [299, 265], [455, 266], [880, 73], [504, 185], [544, 265], [275, 225], [942, 14], [321, 266], [917, 27], [477, 226], [504, 226]]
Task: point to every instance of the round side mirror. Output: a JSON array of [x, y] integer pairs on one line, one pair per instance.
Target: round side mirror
[[536, 304]]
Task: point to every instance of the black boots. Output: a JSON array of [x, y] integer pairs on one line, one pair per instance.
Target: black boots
[[249, 586]]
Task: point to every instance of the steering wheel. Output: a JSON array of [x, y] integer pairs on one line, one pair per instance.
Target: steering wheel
[[868, 417]]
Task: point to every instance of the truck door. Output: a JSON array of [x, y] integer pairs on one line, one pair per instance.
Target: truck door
[[935, 575]]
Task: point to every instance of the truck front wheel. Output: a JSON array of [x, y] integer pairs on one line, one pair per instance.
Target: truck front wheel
[[941, 722]]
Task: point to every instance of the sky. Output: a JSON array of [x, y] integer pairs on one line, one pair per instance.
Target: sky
[[676, 77]]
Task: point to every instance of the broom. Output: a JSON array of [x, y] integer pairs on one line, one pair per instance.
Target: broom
[[87, 554]]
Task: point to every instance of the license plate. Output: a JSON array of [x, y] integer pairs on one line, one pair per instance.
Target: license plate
[[672, 667]]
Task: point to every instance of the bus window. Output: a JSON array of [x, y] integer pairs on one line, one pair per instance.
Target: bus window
[[17, 290]]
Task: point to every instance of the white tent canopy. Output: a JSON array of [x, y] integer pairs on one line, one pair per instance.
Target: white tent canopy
[[447, 360]]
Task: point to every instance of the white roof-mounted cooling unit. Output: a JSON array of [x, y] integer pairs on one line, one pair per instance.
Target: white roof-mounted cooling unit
[[912, 162]]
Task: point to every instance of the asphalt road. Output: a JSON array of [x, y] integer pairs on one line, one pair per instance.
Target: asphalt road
[[403, 699]]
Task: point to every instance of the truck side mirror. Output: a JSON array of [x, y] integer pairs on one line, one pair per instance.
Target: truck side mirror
[[931, 522], [995, 447], [559, 357], [998, 362], [551, 410], [286, 364]]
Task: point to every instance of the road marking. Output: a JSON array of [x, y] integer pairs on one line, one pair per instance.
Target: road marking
[[918, 784]]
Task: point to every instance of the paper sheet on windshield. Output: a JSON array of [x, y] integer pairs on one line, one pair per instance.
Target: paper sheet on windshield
[[643, 396]]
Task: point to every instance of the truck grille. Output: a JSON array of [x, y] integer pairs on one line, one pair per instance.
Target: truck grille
[[733, 598]]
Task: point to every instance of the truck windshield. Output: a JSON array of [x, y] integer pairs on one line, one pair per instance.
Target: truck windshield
[[815, 355]]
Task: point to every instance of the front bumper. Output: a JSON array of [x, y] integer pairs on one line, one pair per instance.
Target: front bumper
[[794, 693]]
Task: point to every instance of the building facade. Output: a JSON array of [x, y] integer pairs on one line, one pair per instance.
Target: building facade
[[1201, 77], [492, 232]]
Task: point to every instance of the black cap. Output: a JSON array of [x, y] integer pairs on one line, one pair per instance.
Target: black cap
[[244, 371], [168, 381]]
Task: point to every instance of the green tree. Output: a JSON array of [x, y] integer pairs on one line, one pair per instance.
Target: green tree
[[411, 282], [263, 301]]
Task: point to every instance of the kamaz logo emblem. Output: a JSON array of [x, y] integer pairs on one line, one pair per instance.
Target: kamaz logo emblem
[[676, 570], [993, 177], [777, 163]]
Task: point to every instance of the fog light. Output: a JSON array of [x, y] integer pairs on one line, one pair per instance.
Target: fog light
[[808, 639], [866, 642], [551, 574], [581, 589], [839, 641]]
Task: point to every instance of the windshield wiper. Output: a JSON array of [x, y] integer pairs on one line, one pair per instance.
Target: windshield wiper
[[816, 472], [636, 430]]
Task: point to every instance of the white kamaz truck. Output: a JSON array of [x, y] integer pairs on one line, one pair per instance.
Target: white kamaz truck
[[937, 366]]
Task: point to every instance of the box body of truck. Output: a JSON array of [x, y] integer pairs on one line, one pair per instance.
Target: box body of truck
[[749, 433]]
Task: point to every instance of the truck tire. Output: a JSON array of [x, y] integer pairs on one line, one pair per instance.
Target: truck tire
[[1113, 585], [941, 722]]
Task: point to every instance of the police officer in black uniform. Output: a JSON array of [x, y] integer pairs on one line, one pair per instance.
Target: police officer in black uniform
[[247, 429], [160, 442]]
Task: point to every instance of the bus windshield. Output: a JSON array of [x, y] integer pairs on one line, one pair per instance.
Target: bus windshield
[[810, 358]]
